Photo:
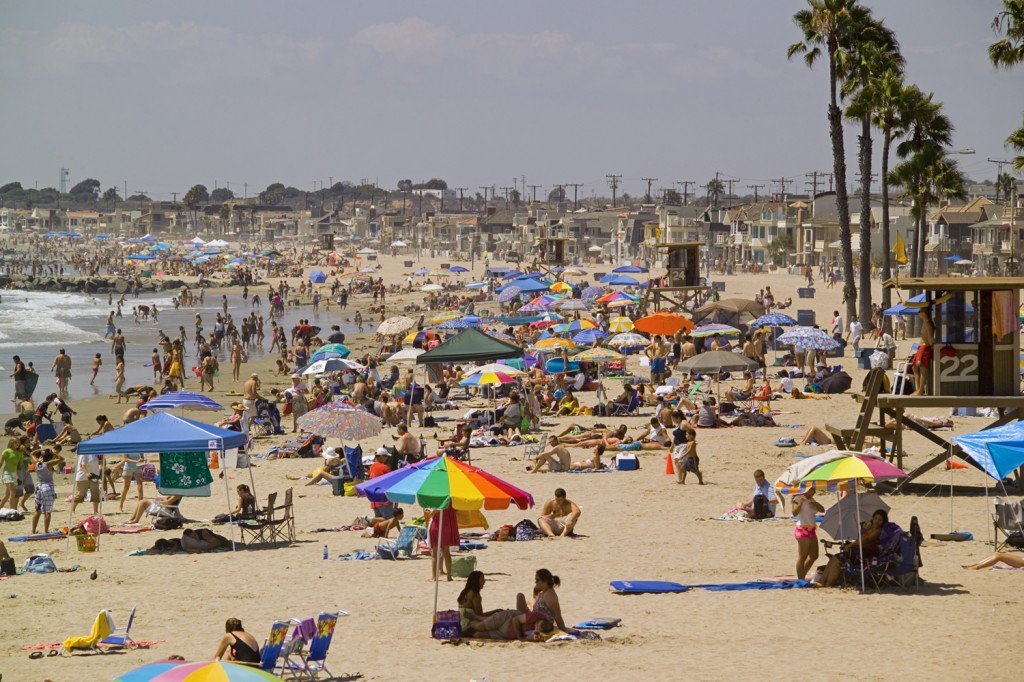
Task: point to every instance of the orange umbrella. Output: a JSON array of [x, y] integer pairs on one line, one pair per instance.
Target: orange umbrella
[[665, 324]]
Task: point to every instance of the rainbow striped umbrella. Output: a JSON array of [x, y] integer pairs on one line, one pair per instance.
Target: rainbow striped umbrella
[[854, 467], [561, 287], [147, 672], [213, 671], [330, 350], [712, 329], [618, 298], [574, 326], [487, 379], [441, 482]]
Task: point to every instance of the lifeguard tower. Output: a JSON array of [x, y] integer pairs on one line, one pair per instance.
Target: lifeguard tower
[[551, 253], [975, 363], [682, 261]]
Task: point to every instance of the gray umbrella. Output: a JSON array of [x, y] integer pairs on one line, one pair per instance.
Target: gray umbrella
[[842, 520], [716, 361]]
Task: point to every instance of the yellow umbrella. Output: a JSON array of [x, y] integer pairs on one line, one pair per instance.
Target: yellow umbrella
[[561, 287], [444, 317], [555, 343], [620, 324]]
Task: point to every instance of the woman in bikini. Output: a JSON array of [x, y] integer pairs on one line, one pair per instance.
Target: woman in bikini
[[546, 603], [242, 646]]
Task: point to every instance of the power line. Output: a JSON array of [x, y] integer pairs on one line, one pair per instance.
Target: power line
[[533, 193], [686, 190], [755, 188]]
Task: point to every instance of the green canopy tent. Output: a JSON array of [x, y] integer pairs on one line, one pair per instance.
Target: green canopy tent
[[469, 345]]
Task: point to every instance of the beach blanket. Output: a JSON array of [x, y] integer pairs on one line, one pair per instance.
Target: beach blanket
[[43, 646], [755, 585], [358, 555], [599, 624], [33, 538], [127, 530], [355, 526]]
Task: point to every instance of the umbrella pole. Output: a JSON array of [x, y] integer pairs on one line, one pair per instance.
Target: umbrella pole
[[437, 560], [227, 494], [860, 545]]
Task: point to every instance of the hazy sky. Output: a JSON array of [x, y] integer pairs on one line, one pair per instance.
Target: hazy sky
[[165, 95]]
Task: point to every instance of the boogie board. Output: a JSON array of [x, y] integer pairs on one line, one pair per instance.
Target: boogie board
[[30, 538], [31, 379], [599, 624], [646, 587]]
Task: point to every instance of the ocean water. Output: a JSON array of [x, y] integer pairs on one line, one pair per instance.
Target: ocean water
[[36, 325]]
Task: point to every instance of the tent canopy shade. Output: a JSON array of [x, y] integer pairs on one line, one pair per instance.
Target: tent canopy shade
[[468, 345], [162, 432]]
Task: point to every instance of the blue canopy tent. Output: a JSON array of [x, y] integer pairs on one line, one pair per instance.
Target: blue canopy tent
[[901, 309], [317, 277], [165, 433], [996, 451], [526, 285]]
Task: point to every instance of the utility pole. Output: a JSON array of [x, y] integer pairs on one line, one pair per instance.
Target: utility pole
[[174, 198], [485, 197], [830, 176], [613, 182], [506, 190], [649, 181], [460, 191], [718, 184], [245, 190], [999, 173], [141, 193], [813, 175], [755, 188], [533, 193], [575, 193], [686, 190], [731, 183], [664, 194], [782, 186]]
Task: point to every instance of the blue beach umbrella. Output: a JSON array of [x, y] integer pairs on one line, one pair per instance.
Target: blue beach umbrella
[[317, 277], [588, 337], [630, 269], [458, 268], [619, 280]]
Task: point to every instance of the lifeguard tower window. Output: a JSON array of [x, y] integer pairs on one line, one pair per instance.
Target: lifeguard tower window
[[683, 266], [958, 319]]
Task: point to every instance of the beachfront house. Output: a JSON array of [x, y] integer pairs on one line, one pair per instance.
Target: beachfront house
[[996, 240], [950, 235]]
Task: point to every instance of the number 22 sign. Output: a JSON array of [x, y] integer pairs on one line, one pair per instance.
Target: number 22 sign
[[961, 367]]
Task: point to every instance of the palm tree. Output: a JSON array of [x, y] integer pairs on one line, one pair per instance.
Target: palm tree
[[1009, 51], [1016, 142], [927, 130], [828, 27], [875, 51]]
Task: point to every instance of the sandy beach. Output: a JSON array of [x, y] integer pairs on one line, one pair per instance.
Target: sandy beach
[[634, 525]]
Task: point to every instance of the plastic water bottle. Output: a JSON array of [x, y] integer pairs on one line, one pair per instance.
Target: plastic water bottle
[[423, 446], [325, 552]]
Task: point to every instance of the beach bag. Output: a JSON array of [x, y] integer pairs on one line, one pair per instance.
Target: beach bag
[[167, 523], [879, 360], [40, 563], [446, 625], [7, 567], [762, 510], [526, 530], [390, 552], [464, 565], [94, 525]]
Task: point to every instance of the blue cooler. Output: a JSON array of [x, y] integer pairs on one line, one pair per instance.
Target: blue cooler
[[626, 462]]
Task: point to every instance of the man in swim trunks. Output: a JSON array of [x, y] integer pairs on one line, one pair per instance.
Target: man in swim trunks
[[559, 516], [922, 360], [556, 457], [657, 351]]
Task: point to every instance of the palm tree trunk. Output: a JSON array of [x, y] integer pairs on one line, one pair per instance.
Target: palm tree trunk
[[864, 309], [886, 241], [835, 121], [917, 269]]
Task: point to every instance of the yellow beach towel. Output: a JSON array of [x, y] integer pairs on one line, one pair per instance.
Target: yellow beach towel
[[101, 629]]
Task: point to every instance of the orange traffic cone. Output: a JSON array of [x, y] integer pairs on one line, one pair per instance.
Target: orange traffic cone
[[950, 464], [669, 469]]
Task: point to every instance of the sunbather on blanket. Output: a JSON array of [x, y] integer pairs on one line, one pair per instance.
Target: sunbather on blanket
[[383, 527], [1011, 560], [594, 462], [156, 506], [556, 457]]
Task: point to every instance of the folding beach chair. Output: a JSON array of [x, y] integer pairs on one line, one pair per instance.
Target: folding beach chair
[[272, 646], [254, 530], [121, 636], [281, 529], [1008, 519], [618, 409], [101, 628], [310, 664], [407, 542]]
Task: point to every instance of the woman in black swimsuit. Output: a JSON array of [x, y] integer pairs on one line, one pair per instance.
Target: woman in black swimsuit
[[243, 647]]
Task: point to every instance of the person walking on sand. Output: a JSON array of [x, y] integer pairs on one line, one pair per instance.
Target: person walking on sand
[[119, 377], [685, 458], [806, 509]]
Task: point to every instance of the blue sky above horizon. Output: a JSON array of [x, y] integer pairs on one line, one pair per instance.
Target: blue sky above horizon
[[165, 95]]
